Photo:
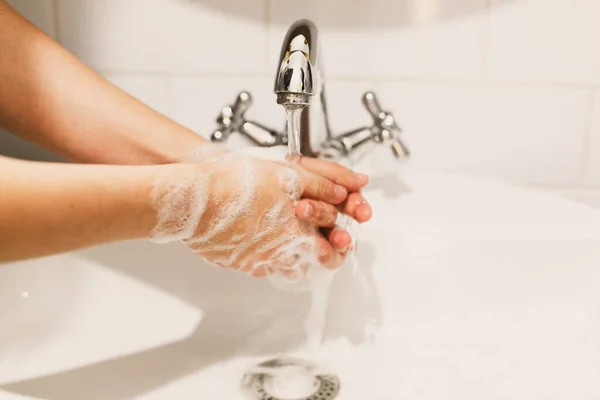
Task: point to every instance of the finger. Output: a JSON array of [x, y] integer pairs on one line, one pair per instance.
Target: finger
[[318, 187], [259, 272], [329, 257], [339, 239], [357, 207], [335, 172], [317, 212], [342, 237]]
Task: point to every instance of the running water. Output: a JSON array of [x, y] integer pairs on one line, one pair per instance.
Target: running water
[[293, 114], [297, 380], [318, 279]]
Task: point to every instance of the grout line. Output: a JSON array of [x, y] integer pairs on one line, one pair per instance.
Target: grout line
[[55, 20], [525, 84], [483, 73], [173, 74], [549, 186], [362, 78], [587, 139], [564, 188]]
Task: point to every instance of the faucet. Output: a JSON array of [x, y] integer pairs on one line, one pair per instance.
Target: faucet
[[299, 83]]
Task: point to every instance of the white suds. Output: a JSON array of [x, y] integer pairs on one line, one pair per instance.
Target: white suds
[[180, 204], [246, 206]]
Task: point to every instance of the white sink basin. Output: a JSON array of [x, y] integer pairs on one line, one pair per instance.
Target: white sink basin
[[468, 290]]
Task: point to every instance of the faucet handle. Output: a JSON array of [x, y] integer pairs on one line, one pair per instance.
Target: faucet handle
[[241, 105], [233, 119], [372, 104], [385, 128], [382, 118]]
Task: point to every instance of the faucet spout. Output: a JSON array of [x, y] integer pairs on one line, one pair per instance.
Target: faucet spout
[[296, 79], [298, 83]]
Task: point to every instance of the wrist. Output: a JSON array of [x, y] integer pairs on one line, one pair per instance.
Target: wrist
[[177, 201], [179, 148]]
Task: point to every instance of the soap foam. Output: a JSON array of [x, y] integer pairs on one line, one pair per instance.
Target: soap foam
[[236, 211], [238, 233], [185, 198]]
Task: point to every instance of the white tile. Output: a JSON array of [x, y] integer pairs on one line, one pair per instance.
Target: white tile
[[150, 90], [592, 172], [390, 38], [164, 35], [516, 134], [344, 104], [197, 102], [39, 12], [545, 40]]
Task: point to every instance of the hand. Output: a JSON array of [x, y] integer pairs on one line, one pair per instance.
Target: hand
[[324, 214], [239, 212], [315, 207]]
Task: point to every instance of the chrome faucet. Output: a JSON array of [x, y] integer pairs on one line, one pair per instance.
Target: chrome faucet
[[299, 83]]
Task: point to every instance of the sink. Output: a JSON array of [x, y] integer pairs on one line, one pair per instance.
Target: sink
[[465, 289]]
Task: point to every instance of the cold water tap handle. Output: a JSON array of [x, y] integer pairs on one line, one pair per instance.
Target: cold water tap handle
[[372, 104], [382, 118], [385, 128]]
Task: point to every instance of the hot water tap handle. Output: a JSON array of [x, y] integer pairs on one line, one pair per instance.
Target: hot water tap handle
[[232, 119]]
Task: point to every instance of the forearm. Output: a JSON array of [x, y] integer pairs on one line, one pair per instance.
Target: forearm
[[48, 208], [49, 97]]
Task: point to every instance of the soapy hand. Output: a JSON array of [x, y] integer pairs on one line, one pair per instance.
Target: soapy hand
[[325, 214], [241, 212], [314, 206]]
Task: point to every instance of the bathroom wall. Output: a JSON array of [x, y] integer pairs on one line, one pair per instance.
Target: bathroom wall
[[506, 89]]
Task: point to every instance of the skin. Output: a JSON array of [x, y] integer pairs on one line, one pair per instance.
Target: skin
[[52, 208], [49, 208]]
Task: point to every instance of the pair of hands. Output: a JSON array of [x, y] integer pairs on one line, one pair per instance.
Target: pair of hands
[[260, 214]]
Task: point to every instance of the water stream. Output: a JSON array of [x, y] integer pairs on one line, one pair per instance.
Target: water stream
[[293, 114], [296, 380], [319, 279]]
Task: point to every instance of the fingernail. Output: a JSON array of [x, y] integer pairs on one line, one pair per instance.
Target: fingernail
[[362, 179], [308, 209], [365, 211], [340, 191]]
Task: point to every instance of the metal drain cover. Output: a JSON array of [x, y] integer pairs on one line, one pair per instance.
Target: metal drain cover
[[272, 380]]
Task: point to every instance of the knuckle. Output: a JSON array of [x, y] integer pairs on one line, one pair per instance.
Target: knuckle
[[318, 212], [325, 189], [332, 216]]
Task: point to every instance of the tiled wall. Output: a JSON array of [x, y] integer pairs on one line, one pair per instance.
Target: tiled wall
[[499, 88]]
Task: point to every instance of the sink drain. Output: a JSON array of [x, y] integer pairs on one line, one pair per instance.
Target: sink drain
[[290, 379]]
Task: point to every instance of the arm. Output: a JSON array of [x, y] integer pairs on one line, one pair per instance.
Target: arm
[[48, 208], [235, 211], [49, 97]]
